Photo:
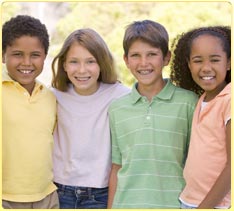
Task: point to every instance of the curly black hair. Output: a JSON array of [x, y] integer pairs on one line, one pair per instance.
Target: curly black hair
[[22, 25], [181, 47]]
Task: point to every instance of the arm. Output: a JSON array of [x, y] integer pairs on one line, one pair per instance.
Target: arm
[[112, 184], [223, 183]]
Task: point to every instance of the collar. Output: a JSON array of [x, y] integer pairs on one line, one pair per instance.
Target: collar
[[7, 79], [225, 91], [165, 94]]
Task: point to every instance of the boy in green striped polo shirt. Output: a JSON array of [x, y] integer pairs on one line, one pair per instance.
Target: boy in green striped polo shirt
[[150, 127]]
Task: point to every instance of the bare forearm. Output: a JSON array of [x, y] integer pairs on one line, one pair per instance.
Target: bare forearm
[[221, 187], [223, 184], [112, 185]]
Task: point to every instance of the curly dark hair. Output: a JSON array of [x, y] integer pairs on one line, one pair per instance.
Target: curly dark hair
[[181, 47], [22, 25]]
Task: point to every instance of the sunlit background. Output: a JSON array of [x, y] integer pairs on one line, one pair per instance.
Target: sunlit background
[[109, 19]]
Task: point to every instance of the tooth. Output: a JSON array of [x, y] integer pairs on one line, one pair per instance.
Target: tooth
[[207, 77], [26, 71], [82, 79]]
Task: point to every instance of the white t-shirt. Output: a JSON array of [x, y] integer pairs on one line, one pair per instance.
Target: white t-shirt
[[82, 148]]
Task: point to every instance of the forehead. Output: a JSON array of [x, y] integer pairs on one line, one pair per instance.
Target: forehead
[[206, 39], [27, 43], [141, 45], [78, 50], [207, 42]]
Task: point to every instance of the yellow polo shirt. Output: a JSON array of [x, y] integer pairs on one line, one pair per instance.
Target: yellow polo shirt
[[27, 141]]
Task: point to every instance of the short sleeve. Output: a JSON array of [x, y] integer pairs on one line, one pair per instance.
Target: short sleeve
[[227, 109], [115, 152]]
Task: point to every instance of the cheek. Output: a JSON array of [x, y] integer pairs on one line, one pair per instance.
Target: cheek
[[69, 73], [39, 63], [132, 64], [96, 70]]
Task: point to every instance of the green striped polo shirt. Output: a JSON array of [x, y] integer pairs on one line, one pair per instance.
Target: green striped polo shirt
[[150, 140]]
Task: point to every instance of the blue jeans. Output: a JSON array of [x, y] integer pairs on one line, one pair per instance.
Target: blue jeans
[[74, 197]]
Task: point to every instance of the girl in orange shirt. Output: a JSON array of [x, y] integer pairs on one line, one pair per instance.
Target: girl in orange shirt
[[202, 63]]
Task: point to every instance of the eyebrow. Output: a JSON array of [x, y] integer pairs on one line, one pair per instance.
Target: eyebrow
[[149, 51], [198, 57], [72, 57], [16, 51]]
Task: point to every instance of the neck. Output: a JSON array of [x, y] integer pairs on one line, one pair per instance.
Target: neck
[[150, 91]]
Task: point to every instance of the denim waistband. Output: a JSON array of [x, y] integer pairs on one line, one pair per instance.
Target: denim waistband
[[79, 189]]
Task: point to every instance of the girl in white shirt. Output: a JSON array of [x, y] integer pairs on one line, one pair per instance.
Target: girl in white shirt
[[85, 83]]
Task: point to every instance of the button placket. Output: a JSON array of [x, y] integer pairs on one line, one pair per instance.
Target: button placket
[[148, 114]]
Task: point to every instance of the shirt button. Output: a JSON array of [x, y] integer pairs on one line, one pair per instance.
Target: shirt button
[[148, 117]]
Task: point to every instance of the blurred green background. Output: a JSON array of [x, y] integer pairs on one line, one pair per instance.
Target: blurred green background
[[109, 19]]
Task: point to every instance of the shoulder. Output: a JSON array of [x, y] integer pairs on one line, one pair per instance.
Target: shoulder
[[185, 94], [46, 90], [62, 94], [113, 91], [121, 102], [116, 87], [224, 97], [177, 94], [226, 92]]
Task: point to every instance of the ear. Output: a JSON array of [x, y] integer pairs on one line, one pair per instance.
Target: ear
[[167, 58], [189, 66], [229, 65], [3, 58], [125, 59]]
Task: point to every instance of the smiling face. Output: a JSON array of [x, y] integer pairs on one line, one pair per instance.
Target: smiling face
[[24, 60], [209, 64], [146, 64], [82, 69]]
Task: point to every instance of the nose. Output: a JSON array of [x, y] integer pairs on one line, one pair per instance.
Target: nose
[[206, 66], [81, 68], [26, 60], [143, 61]]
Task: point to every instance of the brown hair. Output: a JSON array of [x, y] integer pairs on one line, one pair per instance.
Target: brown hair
[[148, 31], [93, 42]]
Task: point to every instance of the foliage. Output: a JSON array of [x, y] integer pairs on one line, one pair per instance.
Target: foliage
[[109, 19], [9, 9]]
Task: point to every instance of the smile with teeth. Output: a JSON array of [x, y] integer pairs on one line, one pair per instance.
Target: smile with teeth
[[82, 78], [207, 77], [145, 72], [26, 71]]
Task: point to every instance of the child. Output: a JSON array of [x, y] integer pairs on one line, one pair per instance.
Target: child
[[28, 117], [206, 68], [150, 127], [85, 83]]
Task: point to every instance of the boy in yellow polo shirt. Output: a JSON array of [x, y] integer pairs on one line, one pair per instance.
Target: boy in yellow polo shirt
[[28, 115]]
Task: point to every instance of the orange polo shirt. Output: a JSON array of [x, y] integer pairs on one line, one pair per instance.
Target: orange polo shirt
[[207, 152]]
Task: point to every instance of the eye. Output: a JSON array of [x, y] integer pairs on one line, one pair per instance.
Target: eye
[[215, 60], [72, 62], [197, 61], [91, 61], [134, 55], [36, 55], [17, 54], [152, 54]]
